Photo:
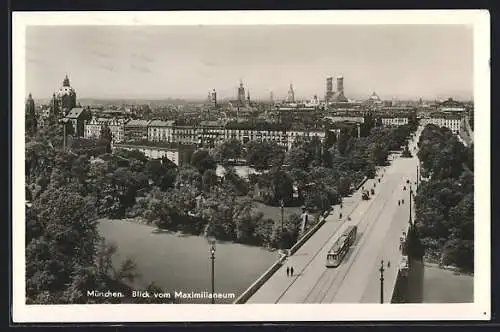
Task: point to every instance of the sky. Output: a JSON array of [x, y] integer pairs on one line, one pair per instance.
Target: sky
[[395, 61]]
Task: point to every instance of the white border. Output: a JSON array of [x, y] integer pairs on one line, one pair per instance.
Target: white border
[[479, 310]]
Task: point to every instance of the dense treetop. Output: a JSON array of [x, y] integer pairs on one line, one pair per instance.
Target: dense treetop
[[445, 199]]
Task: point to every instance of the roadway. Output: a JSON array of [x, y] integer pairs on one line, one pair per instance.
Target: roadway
[[380, 223]]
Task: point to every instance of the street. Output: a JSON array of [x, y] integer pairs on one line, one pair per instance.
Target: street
[[380, 223]]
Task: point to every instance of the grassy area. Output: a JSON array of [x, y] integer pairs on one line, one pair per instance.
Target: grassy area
[[274, 212]]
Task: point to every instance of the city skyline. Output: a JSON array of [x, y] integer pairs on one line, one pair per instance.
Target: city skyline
[[406, 62]]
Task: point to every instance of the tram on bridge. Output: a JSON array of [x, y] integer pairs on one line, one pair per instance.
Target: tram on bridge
[[341, 247]]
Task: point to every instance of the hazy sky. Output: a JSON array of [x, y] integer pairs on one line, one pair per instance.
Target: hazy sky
[[158, 62]]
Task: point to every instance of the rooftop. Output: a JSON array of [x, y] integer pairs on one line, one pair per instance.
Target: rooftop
[[74, 113], [160, 123], [137, 123]]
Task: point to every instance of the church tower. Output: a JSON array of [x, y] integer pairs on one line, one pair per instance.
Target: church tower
[[55, 112], [30, 116]]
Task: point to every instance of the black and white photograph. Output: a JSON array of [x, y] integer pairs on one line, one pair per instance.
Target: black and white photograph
[[236, 162]]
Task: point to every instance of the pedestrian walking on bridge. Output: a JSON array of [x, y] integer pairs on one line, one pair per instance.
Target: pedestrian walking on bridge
[[287, 271], [291, 271]]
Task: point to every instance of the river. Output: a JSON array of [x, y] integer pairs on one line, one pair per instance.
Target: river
[[182, 263]]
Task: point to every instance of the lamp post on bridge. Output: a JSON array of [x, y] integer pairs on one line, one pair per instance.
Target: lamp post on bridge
[[382, 281], [64, 122], [409, 218], [282, 205], [417, 177], [211, 241]]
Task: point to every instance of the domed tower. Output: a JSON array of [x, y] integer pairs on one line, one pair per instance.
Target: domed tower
[[66, 96]]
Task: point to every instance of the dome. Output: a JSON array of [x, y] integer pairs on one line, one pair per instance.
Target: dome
[[374, 96], [65, 90]]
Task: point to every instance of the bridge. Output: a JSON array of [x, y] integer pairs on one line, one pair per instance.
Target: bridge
[[381, 222]]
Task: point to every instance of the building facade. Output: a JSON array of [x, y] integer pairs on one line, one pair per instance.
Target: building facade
[[394, 120], [211, 133], [185, 134], [93, 127], [77, 117], [452, 106], [440, 119], [178, 154], [161, 131], [117, 127], [136, 130]]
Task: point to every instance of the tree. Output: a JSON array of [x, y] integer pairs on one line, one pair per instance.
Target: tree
[[161, 172], [281, 184], [61, 245], [263, 155], [238, 185], [209, 180], [202, 161], [188, 176], [298, 158], [107, 137], [445, 203], [343, 141], [406, 152], [232, 149]]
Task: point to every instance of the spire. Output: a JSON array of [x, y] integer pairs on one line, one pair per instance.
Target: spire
[[66, 81], [30, 97]]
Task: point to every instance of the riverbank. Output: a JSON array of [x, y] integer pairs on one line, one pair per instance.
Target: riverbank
[[176, 261]]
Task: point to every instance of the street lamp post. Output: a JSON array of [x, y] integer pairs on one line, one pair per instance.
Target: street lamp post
[[212, 257], [409, 219], [381, 281], [64, 122], [417, 177], [282, 213]]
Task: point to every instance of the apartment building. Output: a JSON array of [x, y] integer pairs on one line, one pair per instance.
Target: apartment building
[[161, 131], [441, 119]]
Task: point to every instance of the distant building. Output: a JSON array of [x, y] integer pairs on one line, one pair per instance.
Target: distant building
[[211, 133], [441, 119], [116, 126], [241, 94], [77, 118], [374, 99], [346, 117], [329, 89], [394, 120], [136, 130], [314, 102], [161, 131], [452, 106], [212, 97], [178, 154], [337, 96], [93, 127], [291, 94], [185, 134]]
